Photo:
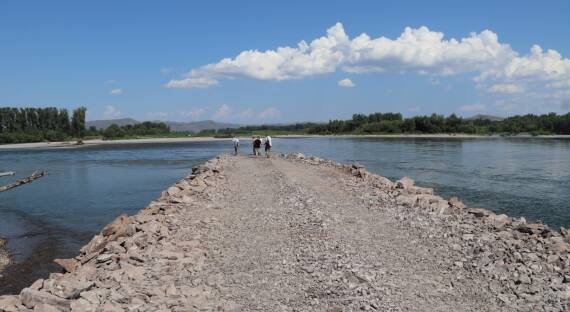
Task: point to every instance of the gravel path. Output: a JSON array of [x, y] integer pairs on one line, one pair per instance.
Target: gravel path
[[299, 237], [291, 233]]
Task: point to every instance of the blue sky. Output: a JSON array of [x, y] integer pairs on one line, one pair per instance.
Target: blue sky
[[149, 60]]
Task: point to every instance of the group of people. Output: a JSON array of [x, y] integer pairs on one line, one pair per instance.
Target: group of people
[[256, 142]]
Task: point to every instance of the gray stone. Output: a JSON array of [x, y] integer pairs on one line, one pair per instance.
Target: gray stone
[[44, 307], [9, 302], [104, 258], [82, 305], [69, 265], [524, 279], [480, 212], [69, 288], [31, 298]]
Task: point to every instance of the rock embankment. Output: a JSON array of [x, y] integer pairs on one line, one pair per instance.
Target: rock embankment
[[296, 233], [4, 256]]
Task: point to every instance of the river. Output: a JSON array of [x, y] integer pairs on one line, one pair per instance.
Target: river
[[88, 187]]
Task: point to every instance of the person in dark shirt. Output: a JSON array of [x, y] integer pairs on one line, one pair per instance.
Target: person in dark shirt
[[256, 146]]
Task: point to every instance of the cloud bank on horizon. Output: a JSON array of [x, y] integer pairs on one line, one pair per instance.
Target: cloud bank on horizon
[[495, 66]]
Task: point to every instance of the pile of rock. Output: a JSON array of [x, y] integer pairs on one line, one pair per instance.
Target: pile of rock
[[118, 269], [4, 256], [145, 262], [528, 264]]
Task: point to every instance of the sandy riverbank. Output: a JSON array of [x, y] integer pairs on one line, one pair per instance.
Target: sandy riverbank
[[97, 142], [86, 143]]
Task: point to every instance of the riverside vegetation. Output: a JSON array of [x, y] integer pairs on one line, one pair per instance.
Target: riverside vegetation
[[394, 123], [296, 233], [23, 125]]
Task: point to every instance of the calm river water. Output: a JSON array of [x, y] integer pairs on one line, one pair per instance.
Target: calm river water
[[88, 187]]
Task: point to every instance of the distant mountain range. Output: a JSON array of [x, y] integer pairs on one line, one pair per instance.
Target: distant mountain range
[[485, 117], [193, 126]]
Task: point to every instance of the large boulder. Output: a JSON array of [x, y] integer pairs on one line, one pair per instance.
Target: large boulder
[[9, 303], [558, 245], [70, 287], [533, 228], [480, 212], [69, 265], [499, 221], [404, 183], [456, 203], [121, 226], [32, 298], [408, 186], [96, 244]]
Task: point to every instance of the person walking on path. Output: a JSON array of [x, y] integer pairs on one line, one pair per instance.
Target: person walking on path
[[236, 145], [256, 146], [268, 145]]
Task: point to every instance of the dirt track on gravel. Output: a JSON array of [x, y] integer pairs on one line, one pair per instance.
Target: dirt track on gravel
[[296, 236]]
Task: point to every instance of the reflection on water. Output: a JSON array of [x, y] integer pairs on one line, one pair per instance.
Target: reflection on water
[[88, 187]]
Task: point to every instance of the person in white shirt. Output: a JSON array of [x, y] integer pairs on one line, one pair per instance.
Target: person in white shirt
[[236, 145], [268, 145]]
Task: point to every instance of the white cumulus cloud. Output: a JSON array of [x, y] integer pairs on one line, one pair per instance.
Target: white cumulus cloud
[[420, 50], [116, 91], [111, 112], [192, 82], [494, 65], [222, 113], [508, 88], [345, 83]]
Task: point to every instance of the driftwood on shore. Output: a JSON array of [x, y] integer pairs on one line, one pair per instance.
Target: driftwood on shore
[[26, 180], [9, 173]]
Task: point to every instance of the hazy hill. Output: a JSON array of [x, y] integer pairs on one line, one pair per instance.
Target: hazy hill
[[485, 117], [193, 126]]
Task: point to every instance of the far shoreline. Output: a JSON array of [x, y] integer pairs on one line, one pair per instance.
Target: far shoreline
[[100, 142], [426, 136]]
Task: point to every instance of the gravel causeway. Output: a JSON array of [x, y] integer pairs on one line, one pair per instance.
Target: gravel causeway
[[296, 233]]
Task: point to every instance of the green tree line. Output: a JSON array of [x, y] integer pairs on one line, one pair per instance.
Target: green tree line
[[394, 123], [22, 125], [146, 128]]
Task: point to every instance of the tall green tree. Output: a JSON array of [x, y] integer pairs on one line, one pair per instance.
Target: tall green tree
[[78, 123]]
